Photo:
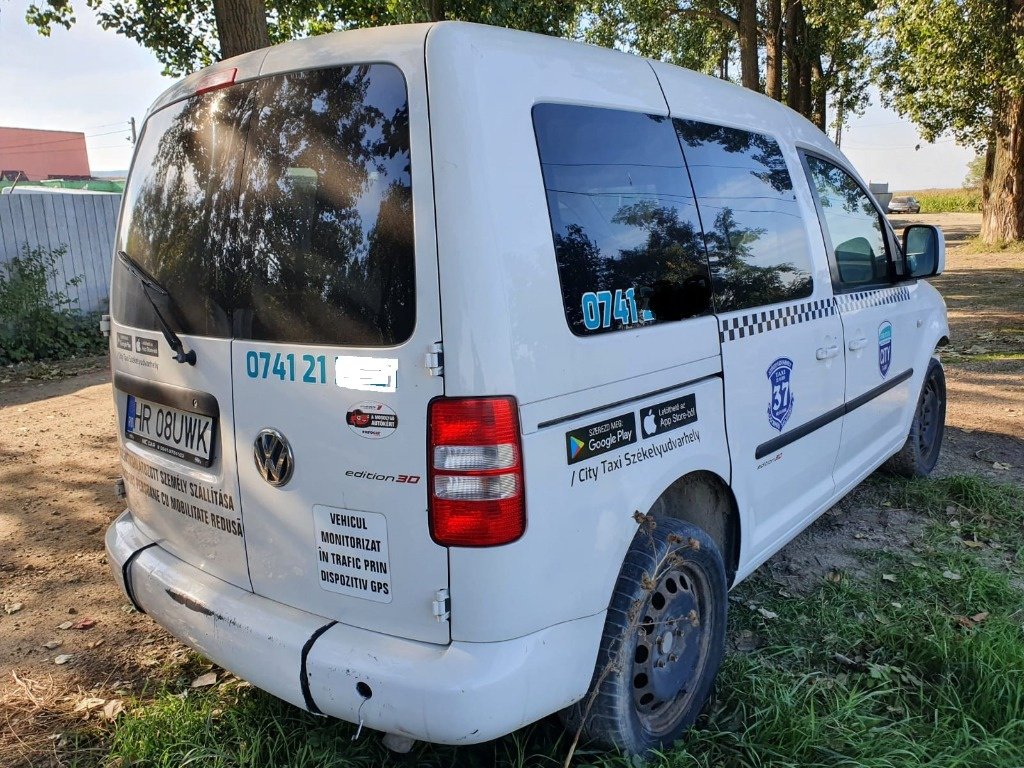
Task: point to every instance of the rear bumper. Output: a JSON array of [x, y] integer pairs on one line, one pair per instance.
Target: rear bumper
[[461, 693]]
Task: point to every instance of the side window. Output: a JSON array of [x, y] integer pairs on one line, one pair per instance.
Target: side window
[[854, 226], [627, 238], [755, 234]]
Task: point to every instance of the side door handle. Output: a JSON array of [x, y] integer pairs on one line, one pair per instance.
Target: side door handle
[[856, 344], [824, 353]]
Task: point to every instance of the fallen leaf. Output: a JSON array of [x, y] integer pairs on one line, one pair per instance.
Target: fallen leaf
[[917, 564], [64, 658], [97, 643], [10, 608], [973, 543], [954, 523], [746, 642], [979, 617], [951, 575], [90, 703], [897, 606], [889, 577], [84, 624], [53, 644], [767, 614], [112, 709], [66, 625], [205, 680], [834, 576], [964, 622]]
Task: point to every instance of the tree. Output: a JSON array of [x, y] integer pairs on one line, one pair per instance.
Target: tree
[[958, 65], [975, 172], [813, 49], [186, 35]]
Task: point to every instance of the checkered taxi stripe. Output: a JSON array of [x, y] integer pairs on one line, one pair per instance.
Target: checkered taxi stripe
[[734, 328], [741, 327], [848, 302]]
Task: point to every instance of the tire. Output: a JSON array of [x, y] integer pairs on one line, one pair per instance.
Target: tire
[[918, 456], [663, 642]]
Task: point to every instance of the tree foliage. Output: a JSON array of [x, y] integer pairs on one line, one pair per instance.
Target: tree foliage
[[958, 66], [945, 63], [184, 34]]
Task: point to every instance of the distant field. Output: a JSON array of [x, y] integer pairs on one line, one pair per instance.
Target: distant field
[[947, 200]]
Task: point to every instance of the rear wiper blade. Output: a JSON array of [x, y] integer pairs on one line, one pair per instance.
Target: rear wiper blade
[[149, 284]]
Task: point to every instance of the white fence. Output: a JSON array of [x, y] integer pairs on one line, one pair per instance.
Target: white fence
[[82, 223]]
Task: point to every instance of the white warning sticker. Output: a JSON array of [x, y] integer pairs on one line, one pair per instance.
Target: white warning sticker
[[352, 553]]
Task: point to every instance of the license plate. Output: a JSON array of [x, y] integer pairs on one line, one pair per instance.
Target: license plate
[[187, 436]]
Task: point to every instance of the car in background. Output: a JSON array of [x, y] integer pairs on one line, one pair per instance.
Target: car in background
[[903, 205]]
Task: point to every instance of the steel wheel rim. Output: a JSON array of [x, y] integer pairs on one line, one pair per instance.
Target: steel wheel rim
[[928, 420], [672, 648]]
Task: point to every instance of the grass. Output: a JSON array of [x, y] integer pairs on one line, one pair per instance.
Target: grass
[[919, 664]]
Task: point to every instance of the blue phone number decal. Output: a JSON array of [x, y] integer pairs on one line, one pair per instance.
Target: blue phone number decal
[[265, 365], [600, 308]]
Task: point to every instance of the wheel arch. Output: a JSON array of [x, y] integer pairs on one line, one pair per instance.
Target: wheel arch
[[705, 500]]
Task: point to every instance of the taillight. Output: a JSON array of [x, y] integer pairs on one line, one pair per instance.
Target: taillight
[[211, 81], [475, 461]]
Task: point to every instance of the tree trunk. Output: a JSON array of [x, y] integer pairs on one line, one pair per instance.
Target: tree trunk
[[241, 26], [794, 13], [817, 98], [435, 10], [746, 17], [773, 49], [1002, 192]]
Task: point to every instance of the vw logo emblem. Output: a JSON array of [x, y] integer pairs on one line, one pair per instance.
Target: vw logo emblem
[[273, 457]]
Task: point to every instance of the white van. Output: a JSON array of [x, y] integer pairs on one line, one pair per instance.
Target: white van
[[459, 372]]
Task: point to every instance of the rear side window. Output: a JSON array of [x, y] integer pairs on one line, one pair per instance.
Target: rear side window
[[753, 228], [627, 238], [277, 210]]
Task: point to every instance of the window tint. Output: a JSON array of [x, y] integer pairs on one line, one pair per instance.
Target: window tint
[[754, 232], [309, 241], [627, 239], [853, 223]]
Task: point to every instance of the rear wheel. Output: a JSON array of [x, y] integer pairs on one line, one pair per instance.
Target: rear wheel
[[920, 453], [663, 641]]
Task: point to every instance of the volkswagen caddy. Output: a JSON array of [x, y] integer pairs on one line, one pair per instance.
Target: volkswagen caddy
[[459, 373]]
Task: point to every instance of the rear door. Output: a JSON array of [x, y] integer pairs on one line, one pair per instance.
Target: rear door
[[329, 367], [780, 336], [175, 420]]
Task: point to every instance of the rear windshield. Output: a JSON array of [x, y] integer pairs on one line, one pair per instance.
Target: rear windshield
[[277, 210]]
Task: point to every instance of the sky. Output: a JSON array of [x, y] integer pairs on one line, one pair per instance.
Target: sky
[[89, 80]]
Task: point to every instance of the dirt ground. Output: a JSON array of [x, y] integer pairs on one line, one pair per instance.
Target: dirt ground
[[71, 648]]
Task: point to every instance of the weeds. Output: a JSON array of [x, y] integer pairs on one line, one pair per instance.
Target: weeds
[[37, 322]]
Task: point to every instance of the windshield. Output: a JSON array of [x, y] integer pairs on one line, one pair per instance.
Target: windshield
[[277, 210]]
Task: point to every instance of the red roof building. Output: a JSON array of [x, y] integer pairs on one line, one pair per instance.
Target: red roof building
[[42, 154]]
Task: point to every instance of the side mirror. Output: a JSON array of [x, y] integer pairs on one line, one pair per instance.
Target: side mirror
[[924, 251]]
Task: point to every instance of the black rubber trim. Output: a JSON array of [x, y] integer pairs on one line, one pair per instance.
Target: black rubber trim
[[126, 575], [181, 398], [777, 443], [617, 403], [303, 677]]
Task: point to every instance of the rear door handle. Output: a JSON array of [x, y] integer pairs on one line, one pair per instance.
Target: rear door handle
[[823, 353], [856, 344]]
